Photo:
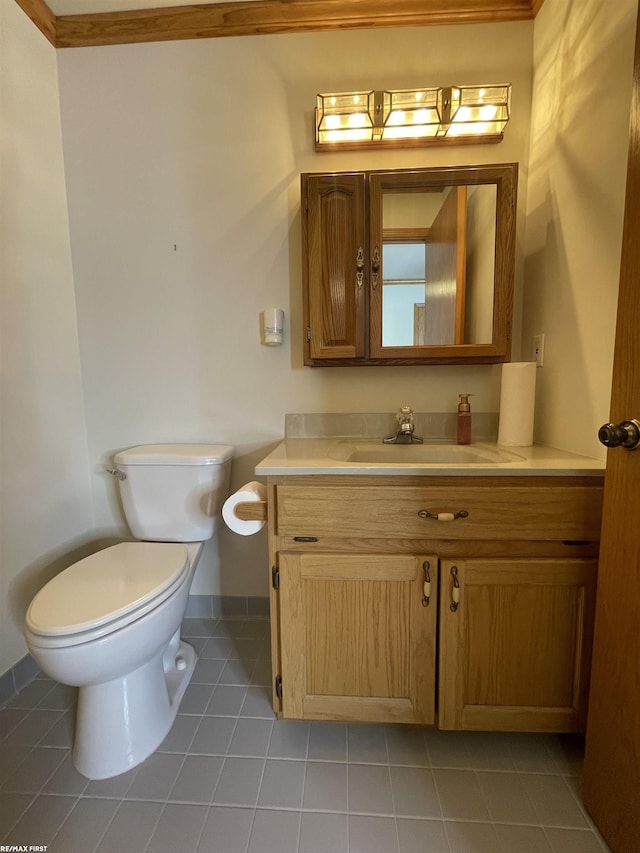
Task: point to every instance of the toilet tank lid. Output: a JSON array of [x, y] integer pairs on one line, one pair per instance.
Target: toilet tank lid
[[175, 454]]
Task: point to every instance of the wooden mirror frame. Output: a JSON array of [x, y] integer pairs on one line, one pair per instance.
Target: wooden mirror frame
[[504, 177]]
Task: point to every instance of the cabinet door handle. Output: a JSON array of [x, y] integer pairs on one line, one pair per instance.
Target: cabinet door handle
[[360, 267], [375, 268], [455, 591], [443, 516], [426, 585]]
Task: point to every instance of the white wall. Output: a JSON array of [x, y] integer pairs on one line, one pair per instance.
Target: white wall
[[45, 498], [583, 57], [183, 164]]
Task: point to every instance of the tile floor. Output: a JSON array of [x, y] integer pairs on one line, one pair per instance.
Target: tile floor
[[231, 779]]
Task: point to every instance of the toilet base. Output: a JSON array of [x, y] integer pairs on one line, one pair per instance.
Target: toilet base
[[121, 722]]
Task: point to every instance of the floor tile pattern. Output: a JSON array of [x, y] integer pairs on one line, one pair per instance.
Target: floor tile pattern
[[229, 778]]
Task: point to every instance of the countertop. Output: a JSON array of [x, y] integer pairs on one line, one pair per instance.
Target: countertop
[[298, 456]]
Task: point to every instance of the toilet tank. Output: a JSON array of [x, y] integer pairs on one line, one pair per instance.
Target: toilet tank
[[173, 492]]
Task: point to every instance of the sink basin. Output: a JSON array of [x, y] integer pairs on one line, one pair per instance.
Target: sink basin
[[424, 454]]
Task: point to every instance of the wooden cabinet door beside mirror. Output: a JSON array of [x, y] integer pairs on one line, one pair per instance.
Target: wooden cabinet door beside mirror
[[409, 266]]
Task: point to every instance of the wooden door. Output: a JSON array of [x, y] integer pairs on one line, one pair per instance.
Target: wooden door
[[611, 784], [357, 641], [334, 260], [445, 276], [515, 651]]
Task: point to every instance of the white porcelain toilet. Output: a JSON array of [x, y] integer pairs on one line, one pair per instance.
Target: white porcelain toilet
[[110, 624]]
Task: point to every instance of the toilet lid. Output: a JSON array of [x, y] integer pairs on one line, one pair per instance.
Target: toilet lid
[[105, 586]]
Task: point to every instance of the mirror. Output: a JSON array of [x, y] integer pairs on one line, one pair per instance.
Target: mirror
[[447, 239], [438, 266]]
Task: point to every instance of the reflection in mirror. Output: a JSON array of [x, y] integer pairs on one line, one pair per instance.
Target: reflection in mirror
[[438, 265], [403, 292]]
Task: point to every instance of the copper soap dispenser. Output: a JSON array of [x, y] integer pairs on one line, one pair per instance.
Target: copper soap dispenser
[[463, 426]]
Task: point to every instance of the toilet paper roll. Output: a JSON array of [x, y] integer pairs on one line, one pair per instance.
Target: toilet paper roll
[[249, 493], [517, 404]]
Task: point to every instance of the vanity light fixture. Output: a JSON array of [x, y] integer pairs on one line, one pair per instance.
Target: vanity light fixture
[[411, 117]]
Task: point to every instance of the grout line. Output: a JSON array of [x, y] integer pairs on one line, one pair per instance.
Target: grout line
[[57, 832], [253, 820], [581, 805], [393, 795], [19, 817], [106, 829], [153, 831]]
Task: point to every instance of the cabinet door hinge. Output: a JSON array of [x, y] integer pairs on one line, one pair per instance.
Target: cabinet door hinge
[[308, 333], [275, 577], [279, 686]]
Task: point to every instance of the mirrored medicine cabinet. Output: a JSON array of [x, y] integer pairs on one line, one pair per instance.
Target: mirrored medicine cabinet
[[409, 266]]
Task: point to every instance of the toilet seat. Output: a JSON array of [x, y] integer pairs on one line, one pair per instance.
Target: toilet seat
[[106, 591]]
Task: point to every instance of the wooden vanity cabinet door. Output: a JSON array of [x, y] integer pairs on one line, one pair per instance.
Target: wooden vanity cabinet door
[[334, 265], [357, 642], [515, 654]]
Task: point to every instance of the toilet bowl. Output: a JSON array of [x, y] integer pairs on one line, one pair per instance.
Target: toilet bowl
[[110, 624], [119, 642]]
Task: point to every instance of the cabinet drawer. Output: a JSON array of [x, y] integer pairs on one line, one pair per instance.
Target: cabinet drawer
[[489, 511]]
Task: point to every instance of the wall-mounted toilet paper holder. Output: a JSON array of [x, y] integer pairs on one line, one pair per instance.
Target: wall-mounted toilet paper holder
[[245, 511], [251, 511]]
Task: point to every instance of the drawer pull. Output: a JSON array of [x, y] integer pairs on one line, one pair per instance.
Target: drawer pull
[[455, 592], [426, 586], [443, 516]]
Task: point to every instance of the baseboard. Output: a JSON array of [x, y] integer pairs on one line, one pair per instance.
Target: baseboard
[[215, 606], [14, 679]]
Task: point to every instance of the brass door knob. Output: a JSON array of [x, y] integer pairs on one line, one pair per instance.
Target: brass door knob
[[625, 434]]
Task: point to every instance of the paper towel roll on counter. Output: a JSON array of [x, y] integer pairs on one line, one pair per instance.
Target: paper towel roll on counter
[[249, 493], [517, 404]]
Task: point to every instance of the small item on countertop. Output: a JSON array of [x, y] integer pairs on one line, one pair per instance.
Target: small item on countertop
[[463, 433]]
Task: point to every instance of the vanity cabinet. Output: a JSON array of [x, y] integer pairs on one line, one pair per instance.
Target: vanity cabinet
[[515, 648], [356, 641], [382, 611], [408, 266]]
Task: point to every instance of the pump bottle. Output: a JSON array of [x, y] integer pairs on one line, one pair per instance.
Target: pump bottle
[[463, 431]]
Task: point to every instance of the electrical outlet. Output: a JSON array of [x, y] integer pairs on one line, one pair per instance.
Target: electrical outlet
[[538, 350]]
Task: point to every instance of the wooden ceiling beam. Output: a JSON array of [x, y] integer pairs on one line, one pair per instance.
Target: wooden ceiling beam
[[261, 17], [277, 16]]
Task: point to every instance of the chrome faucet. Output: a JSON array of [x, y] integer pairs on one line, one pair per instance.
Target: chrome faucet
[[404, 434]]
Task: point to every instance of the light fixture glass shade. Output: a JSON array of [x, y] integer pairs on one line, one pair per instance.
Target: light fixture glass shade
[[477, 110], [412, 116], [343, 117]]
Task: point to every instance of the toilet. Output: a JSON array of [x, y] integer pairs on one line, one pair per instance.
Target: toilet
[[110, 624]]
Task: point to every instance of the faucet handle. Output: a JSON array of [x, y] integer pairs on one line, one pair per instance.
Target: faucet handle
[[404, 415]]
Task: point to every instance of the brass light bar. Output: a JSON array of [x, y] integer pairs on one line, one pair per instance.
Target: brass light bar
[[411, 117]]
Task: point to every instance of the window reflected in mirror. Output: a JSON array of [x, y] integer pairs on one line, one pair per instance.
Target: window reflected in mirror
[[403, 293]]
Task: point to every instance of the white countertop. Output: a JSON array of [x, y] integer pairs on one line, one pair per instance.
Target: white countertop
[[297, 456]]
